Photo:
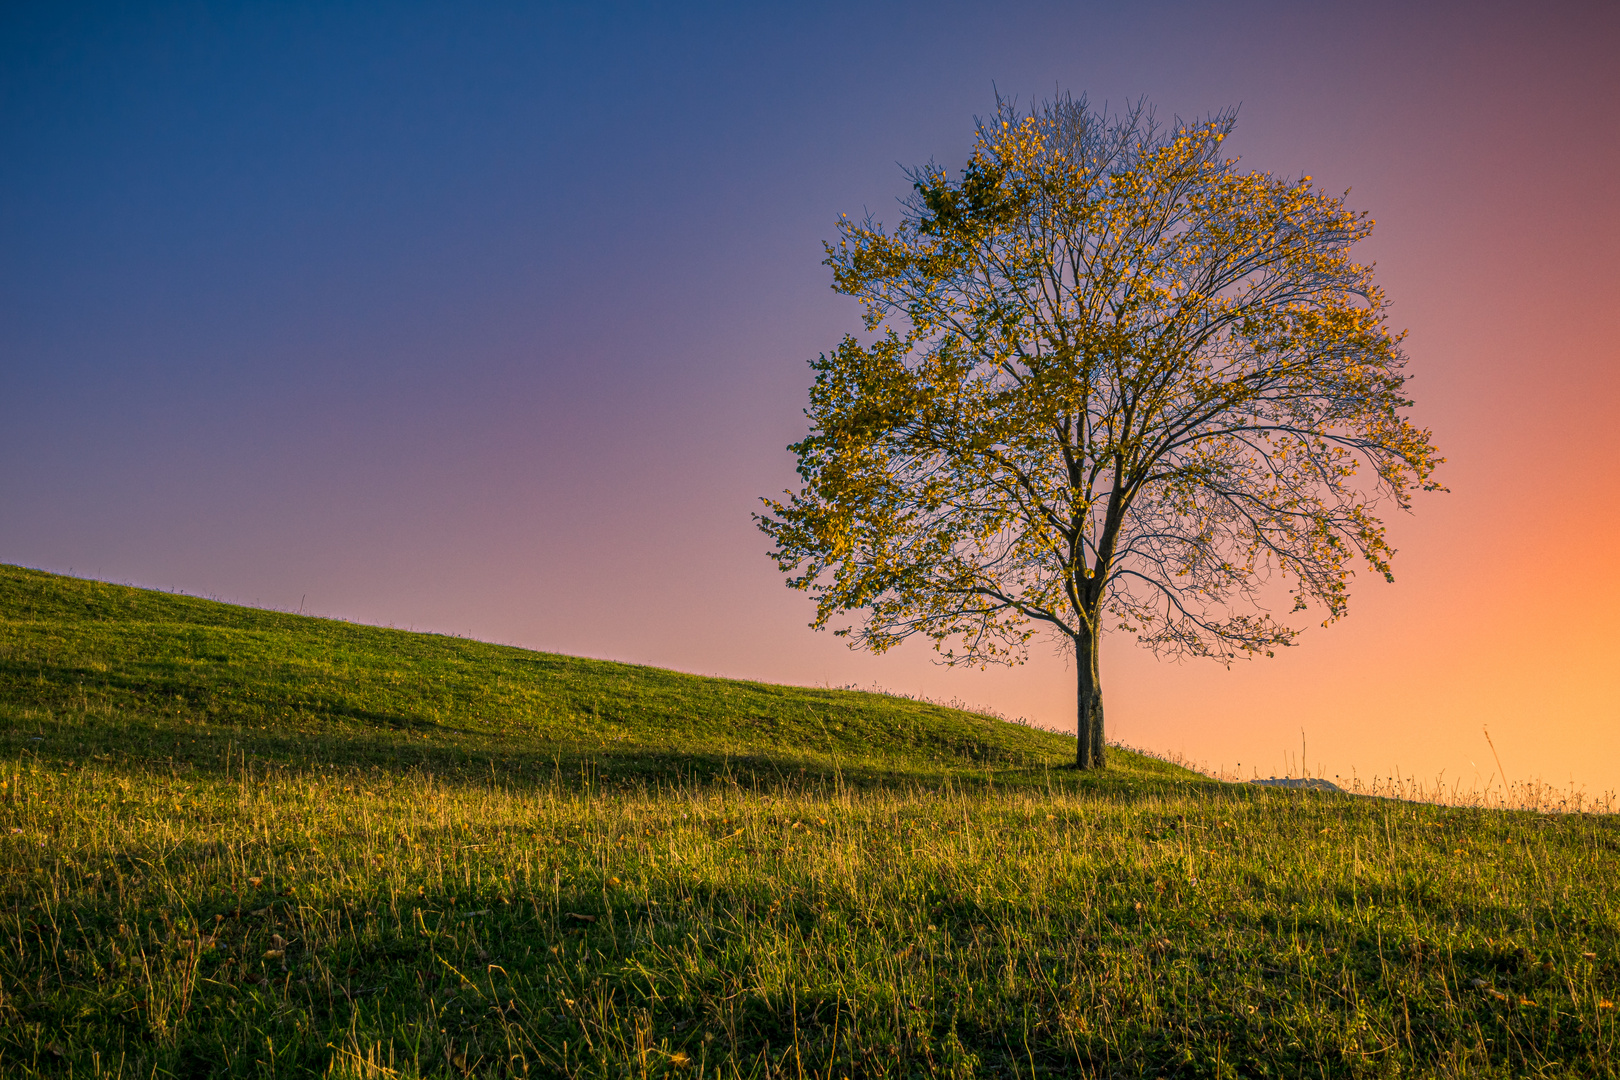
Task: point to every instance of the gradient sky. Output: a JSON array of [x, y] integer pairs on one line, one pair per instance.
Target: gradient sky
[[495, 320]]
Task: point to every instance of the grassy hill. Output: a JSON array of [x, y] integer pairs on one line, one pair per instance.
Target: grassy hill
[[246, 843], [93, 668]]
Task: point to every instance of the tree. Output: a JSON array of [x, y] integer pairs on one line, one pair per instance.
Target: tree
[[1111, 381]]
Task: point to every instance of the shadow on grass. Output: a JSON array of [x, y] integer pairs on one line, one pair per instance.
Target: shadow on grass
[[452, 755]]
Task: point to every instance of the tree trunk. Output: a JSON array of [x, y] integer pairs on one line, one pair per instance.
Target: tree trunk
[[1090, 748]]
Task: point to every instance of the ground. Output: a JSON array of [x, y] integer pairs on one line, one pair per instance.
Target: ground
[[247, 843]]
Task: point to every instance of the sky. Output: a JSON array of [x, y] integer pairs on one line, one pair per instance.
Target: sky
[[495, 320]]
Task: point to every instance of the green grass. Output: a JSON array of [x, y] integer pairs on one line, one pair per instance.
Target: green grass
[[238, 842]]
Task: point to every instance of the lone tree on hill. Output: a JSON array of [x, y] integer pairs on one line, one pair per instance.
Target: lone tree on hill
[[1113, 381]]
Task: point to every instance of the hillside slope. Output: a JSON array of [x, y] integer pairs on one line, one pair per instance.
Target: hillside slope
[[88, 667]]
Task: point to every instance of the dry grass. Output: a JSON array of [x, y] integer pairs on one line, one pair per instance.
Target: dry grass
[[1532, 796]]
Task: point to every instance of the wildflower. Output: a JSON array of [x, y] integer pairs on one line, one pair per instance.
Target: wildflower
[[679, 1059]]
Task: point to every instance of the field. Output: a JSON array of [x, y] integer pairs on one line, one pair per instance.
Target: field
[[246, 843]]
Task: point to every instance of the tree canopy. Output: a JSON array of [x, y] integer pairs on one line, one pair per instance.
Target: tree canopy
[[1110, 380]]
